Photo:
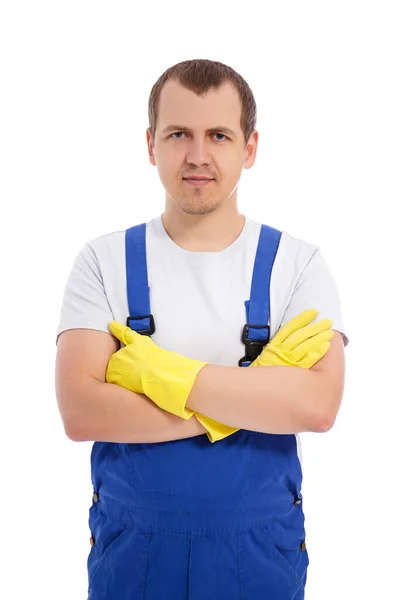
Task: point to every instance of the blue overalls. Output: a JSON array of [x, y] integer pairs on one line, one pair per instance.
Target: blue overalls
[[195, 520]]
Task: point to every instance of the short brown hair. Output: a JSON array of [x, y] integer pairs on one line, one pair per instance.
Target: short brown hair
[[199, 75]]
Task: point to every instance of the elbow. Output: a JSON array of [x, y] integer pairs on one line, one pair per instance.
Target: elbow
[[76, 436], [323, 425], [80, 428], [74, 422], [74, 414], [325, 404], [73, 432], [324, 420], [325, 413]]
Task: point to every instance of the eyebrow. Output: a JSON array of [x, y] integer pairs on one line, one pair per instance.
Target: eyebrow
[[221, 129]]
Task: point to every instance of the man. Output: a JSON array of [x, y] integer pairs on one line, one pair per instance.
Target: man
[[195, 467]]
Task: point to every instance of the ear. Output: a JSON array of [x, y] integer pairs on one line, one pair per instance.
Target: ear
[[251, 150], [150, 147]]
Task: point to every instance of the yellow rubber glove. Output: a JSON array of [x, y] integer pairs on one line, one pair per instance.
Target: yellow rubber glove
[[215, 431], [297, 344], [143, 367]]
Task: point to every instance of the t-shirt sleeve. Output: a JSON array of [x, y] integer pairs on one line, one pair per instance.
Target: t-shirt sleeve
[[85, 304], [316, 288]]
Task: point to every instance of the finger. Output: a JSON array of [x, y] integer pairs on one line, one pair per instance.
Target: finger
[[312, 344], [314, 356], [303, 334], [294, 324], [123, 333]]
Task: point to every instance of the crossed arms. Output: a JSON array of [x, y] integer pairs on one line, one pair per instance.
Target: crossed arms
[[266, 399]]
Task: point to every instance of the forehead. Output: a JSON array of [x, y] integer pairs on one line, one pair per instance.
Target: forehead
[[216, 107]]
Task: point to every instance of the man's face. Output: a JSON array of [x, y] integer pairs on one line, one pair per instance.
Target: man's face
[[200, 136]]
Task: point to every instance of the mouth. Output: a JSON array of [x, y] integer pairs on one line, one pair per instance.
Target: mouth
[[197, 181]]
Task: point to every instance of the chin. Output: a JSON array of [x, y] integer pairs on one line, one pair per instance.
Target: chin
[[200, 209]]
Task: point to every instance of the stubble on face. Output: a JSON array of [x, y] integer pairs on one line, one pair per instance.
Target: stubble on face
[[196, 201], [211, 112]]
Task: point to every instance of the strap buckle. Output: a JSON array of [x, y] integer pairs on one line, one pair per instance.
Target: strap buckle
[[253, 347], [142, 331]]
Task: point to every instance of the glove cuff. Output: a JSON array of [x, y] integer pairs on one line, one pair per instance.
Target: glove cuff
[[215, 430], [171, 389]]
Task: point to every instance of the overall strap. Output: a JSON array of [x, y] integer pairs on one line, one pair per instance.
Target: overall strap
[[140, 318], [256, 332]]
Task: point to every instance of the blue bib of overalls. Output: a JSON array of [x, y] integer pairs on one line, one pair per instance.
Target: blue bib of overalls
[[188, 519]]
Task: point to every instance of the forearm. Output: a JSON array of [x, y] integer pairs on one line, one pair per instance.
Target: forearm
[[265, 399], [110, 413]]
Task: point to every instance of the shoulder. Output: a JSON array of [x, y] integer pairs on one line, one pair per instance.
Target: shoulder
[[104, 244], [291, 250], [112, 244], [296, 251]]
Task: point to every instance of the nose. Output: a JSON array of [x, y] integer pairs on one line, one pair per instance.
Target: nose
[[198, 153]]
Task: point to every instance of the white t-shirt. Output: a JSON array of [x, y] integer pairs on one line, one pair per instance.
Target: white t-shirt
[[197, 298]]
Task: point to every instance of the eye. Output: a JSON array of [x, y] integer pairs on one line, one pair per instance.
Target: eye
[[181, 133]]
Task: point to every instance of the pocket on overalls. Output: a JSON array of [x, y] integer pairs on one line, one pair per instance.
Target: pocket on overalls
[[193, 468], [106, 535], [286, 535], [273, 559], [263, 571]]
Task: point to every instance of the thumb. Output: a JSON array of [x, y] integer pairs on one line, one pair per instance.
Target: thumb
[[124, 334], [294, 324]]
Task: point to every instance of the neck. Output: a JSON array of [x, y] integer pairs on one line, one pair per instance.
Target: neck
[[211, 232]]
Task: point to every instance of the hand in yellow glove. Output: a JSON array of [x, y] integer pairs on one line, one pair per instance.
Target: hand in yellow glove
[[297, 344], [143, 367], [129, 368]]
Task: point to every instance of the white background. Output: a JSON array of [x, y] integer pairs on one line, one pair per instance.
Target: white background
[[75, 79]]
